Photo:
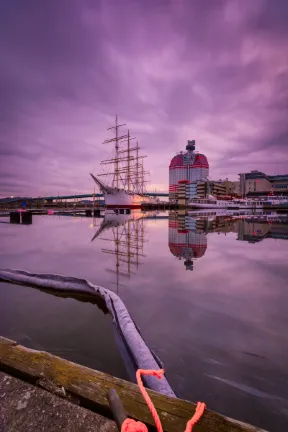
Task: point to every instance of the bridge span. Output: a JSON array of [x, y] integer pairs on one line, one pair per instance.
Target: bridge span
[[51, 198], [97, 195]]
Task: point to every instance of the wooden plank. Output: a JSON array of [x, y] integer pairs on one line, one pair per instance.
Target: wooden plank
[[90, 386]]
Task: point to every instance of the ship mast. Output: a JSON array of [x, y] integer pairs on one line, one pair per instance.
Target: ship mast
[[141, 175], [137, 168], [128, 162], [116, 139], [127, 249], [128, 170]]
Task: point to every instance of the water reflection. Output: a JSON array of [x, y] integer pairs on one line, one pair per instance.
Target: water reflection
[[125, 233], [222, 334], [255, 229], [126, 238], [186, 241], [188, 232]]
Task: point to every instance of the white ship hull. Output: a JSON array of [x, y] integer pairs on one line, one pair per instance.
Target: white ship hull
[[124, 199], [121, 198]]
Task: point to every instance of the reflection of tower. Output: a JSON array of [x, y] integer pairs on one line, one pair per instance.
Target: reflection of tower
[[185, 241], [127, 236]]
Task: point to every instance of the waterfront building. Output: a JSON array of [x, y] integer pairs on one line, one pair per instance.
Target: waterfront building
[[232, 187], [185, 171], [211, 187], [257, 183]]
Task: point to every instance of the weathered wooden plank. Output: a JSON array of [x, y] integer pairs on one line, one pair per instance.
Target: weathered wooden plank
[[92, 386]]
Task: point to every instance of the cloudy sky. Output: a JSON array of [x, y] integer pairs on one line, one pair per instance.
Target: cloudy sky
[[211, 70]]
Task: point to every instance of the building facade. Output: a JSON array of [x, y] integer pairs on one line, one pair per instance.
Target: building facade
[[257, 183], [279, 184], [232, 187], [211, 187], [185, 171]]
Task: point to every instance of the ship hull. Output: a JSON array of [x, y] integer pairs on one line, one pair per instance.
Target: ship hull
[[124, 199], [121, 198]]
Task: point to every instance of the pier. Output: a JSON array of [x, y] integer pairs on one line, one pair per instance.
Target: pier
[[40, 391]]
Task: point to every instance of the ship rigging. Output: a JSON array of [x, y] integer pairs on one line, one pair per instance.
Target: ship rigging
[[128, 184]]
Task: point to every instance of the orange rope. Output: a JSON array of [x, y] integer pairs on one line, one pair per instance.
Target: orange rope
[[130, 425], [196, 417]]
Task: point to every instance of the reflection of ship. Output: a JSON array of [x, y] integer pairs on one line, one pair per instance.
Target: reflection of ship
[[127, 236], [128, 177], [213, 212]]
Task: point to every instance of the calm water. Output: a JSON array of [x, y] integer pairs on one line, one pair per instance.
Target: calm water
[[210, 298]]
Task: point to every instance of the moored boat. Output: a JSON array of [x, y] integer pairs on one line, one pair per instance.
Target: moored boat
[[213, 202]]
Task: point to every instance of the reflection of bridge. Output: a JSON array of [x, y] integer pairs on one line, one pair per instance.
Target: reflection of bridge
[[97, 195]]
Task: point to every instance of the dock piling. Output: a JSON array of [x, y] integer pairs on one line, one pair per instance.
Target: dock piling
[[15, 217], [116, 407], [27, 218]]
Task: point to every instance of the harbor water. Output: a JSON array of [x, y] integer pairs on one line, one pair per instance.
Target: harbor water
[[209, 294]]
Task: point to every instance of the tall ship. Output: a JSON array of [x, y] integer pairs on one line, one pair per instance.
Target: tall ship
[[126, 188]]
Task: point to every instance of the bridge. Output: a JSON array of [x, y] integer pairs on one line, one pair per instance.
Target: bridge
[[97, 195], [72, 197]]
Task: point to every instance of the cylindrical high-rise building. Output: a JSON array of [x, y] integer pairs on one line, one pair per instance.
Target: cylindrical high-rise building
[[188, 168]]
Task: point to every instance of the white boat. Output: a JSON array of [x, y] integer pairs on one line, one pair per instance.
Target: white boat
[[127, 188], [212, 202], [275, 199]]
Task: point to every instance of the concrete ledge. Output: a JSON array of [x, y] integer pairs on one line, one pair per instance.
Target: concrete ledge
[[24, 407], [88, 388]]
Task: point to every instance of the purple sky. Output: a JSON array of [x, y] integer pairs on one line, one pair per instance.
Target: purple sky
[[211, 70]]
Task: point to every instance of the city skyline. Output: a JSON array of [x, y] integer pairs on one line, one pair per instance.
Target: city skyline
[[172, 71]]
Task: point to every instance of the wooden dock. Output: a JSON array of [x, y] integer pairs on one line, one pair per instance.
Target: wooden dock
[[88, 388]]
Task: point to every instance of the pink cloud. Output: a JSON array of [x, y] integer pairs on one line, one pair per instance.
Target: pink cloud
[[173, 72]]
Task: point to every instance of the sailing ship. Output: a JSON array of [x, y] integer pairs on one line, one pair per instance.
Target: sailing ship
[[128, 177]]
